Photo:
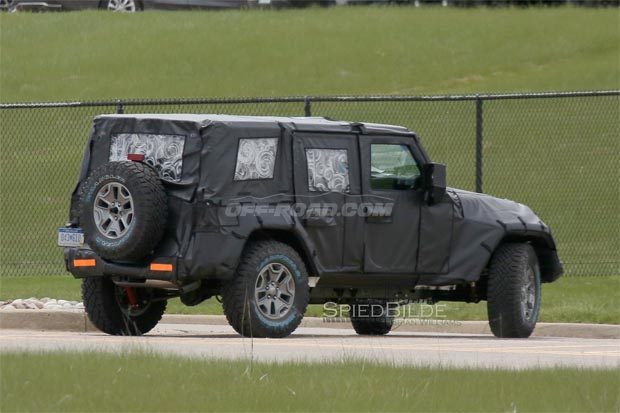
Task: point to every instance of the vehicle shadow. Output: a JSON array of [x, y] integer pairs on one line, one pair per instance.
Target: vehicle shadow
[[325, 337]]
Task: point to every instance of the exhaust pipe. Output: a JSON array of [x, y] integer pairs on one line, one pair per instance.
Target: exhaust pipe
[[159, 284]]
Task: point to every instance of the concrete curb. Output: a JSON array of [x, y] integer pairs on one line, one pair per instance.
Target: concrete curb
[[77, 321]]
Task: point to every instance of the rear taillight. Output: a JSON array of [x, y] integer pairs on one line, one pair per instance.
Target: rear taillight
[[136, 157]]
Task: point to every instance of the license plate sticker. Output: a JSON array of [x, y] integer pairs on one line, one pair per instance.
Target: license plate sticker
[[70, 237]]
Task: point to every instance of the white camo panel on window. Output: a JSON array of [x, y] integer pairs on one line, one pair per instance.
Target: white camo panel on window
[[256, 158], [163, 152], [328, 170]]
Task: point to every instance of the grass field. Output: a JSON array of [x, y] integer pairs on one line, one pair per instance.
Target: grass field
[[365, 50], [95, 382], [571, 299]]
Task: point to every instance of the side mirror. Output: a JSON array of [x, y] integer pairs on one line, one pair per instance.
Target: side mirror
[[434, 182]]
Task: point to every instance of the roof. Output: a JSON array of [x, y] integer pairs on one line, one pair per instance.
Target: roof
[[298, 123]]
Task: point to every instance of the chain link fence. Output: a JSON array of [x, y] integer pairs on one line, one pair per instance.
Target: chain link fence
[[556, 152]]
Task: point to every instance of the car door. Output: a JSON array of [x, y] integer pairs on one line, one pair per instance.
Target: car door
[[327, 178], [391, 227]]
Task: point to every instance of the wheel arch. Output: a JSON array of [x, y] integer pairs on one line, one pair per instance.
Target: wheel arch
[[288, 237], [544, 247]]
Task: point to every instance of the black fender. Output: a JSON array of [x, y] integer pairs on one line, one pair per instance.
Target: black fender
[[551, 267], [215, 249]]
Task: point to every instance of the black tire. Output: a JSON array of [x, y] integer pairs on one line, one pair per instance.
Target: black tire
[[239, 299], [150, 211], [368, 320], [513, 291], [107, 308]]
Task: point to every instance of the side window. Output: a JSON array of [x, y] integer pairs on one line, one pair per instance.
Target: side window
[[256, 158], [328, 170], [392, 167]]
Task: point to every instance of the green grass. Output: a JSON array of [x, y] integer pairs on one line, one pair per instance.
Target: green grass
[[138, 382], [387, 50], [571, 299], [559, 157]]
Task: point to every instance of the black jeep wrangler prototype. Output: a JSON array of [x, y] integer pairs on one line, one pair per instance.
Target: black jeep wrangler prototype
[[274, 213]]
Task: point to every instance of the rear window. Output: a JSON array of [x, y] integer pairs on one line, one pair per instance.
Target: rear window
[[256, 158], [162, 152]]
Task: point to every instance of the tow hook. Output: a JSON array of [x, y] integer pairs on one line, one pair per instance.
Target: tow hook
[[131, 296]]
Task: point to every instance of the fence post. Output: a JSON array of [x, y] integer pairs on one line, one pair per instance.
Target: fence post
[[120, 109], [479, 120], [307, 106]]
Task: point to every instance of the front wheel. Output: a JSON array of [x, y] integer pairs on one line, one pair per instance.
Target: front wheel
[[110, 309], [269, 293], [513, 291]]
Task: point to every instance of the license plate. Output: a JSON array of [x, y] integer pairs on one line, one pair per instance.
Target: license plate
[[70, 237]]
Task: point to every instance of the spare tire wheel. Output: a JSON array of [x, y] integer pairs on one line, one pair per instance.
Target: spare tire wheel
[[123, 210]]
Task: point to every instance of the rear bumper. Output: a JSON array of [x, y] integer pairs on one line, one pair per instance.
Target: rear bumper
[[83, 263]]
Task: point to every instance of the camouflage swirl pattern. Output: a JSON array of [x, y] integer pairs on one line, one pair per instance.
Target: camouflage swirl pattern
[[328, 170], [256, 158], [163, 152]]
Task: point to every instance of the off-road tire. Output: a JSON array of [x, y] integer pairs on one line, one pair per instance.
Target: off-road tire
[[238, 297], [104, 311], [508, 278], [150, 211], [371, 326]]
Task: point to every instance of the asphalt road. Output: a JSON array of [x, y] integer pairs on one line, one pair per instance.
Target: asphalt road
[[320, 344]]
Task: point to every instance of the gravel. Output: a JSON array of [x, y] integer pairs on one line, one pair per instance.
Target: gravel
[[46, 303]]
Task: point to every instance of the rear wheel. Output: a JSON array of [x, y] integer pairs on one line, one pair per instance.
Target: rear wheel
[[123, 210], [110, 307], [371, 318], [269, 294], [513, 291]]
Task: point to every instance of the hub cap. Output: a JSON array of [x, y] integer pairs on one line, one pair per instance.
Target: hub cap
[[122, 5], [113, 210], [528, 295], [274, 291]]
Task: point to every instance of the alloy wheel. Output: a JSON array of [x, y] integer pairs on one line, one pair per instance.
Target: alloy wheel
[[274, 291], [528, 294], [113, 210]]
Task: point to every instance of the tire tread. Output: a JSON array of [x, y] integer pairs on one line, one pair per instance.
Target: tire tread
[[504, 290]]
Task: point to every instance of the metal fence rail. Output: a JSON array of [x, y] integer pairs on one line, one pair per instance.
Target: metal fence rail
[[557, 152]]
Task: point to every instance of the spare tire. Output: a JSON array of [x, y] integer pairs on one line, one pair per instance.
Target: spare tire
[[123, 210]]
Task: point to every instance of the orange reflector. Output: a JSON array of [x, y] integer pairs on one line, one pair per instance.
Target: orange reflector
[[85, 263], [161, 267]]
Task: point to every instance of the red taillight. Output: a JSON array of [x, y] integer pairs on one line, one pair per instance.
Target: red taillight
[[136, 157]]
